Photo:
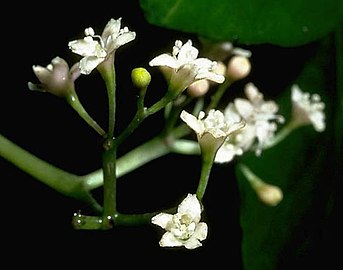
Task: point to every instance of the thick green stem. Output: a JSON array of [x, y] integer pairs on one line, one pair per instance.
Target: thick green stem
[[110, 181], [66, 183], [71, 185]]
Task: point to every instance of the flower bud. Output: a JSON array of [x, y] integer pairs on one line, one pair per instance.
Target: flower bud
[[269, 194], [198, 88], [140, 77], [238, 67]]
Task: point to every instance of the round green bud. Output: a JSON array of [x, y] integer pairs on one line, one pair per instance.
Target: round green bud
[[140, 77]]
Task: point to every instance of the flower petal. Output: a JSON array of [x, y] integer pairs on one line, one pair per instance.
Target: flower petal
[[164, 60], [162, 219], [191, 206], [169, 240], [192, 122]]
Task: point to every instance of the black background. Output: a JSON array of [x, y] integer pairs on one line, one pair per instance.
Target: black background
[[36, 220]]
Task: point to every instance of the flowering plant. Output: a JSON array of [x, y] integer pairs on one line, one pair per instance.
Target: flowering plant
[[212, 109]]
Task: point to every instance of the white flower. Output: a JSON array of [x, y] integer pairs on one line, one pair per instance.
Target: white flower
[[56, 78], [184, 227], [227, 152], [213, 130], [183, 67], [230, 149], [96, 49], [308, 109], [260, 117]]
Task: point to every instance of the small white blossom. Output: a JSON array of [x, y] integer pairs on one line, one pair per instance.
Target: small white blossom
[[212, 130], [227, 152], [184, 227], [183, 67], [96, 49], [308, 109], [230, 149], [260, 118], [56, 78]]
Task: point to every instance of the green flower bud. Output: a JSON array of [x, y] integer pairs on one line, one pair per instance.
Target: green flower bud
[[140, 77]]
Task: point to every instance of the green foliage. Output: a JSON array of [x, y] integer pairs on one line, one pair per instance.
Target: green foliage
[[305, 165], [285, 23]]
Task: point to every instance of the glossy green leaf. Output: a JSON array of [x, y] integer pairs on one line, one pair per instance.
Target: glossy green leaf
[[285, 23]]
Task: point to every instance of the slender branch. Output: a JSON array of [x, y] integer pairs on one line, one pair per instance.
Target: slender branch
[[75, 103], [134, 159], [218, 94]]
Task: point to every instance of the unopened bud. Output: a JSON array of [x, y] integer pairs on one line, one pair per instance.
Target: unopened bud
[[269, 194], [140, 77], [198, 88], [238, 67]]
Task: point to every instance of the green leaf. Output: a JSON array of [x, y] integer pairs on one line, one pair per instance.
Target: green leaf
[[285, 23], [306, 167]]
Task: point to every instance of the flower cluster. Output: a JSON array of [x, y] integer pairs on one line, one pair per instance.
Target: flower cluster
[[245, 124], [261, 123], [308, 109]]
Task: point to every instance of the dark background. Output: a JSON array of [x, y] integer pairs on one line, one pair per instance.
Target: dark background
[[36, 220]]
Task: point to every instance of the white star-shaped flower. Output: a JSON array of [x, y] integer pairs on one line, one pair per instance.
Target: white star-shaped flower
[[308, 109], [183, 67], [260, 117], [96, 49], [183, 228], [211, 130]]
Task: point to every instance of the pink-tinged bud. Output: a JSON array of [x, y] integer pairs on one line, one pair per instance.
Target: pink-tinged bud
[[198, 88], [238, 68], [56, 78]]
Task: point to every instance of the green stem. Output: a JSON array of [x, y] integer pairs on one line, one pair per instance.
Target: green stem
[[134, 159], [207, 163], [75, 103], [66, 183], [110, 181], [107, 72], [109, 157], [141, 115], [83, 222], [283, 133], [218, 94], [72, 185], [150, 150], [253, 179]]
